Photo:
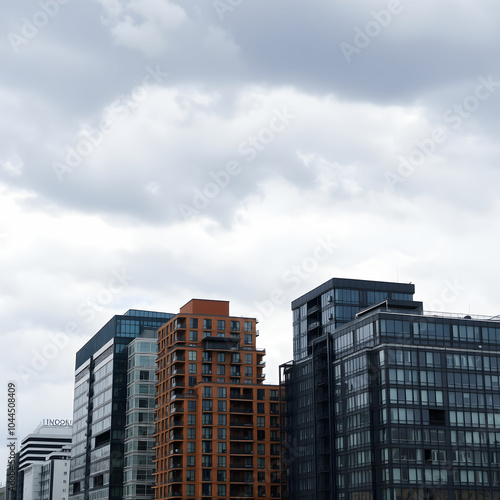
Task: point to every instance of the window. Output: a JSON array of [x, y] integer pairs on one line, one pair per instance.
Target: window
[[235, 357], [191, 447], [193, 322], [222, 420], [248, 371], [248, 359], [192, 381], [248, 338], [221, 490], [206, 419], [221, 324], [261, 449], [261, 394], [193, 336], [221, 357], [190, 475], [191, 420], [261, 463], [221, 476], [190, 460], [235, 326], [261, 421], [222, 405], [260, 408], [192, 355], [207, 356], [190, 489], [221, 369], [207, 324], [207, 405], [221, 433], [221, 461], [191, 433], [207, 392], [221, 392], [192, 368], [206, 432], [221, 447], [248, 326]]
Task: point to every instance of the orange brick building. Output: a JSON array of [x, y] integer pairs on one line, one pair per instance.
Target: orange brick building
[[217, 431]]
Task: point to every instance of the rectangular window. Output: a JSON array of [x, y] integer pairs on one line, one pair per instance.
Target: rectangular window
[[221, 369], [192, 368], [248, 338], [222, 419], [261, 421], [221, 447], [248, 371], [248, 359], [193, 336], [222, 405], [221, 324], [221, 433], [192, 355], [248, 326], [193, 322], [221, 392], [207, 324], [235, 326], [207, 392], [221, 461], [221, 357]]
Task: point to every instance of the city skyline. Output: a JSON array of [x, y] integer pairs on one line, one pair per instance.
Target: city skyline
[[154, 151]]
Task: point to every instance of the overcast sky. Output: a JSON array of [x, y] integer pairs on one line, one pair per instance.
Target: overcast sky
[[152, 151]]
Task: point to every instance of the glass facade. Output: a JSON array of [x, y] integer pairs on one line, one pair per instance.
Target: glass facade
[[100, 406], [140, 426], [405, 406]]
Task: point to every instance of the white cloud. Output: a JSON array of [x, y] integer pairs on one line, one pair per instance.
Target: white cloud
[[144, 25]]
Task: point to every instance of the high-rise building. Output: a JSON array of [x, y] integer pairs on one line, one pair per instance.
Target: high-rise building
[[217, 422], [140, 418], [100, 405], [45, 449], [395, 404]]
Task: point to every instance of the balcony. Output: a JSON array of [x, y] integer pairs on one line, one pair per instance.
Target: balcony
[[241, 450], [240, 410], [175, 451], [241, 466], [240, 436]]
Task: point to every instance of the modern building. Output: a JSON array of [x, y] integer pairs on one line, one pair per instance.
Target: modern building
[[100, 405], [395, 404], [217, 422], [140, 418], [45, 449]]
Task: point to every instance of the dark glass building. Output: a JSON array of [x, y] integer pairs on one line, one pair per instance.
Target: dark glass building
[[395, 404], [100, 404]]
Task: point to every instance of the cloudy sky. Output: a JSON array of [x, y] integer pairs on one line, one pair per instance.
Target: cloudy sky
[[152, 151]]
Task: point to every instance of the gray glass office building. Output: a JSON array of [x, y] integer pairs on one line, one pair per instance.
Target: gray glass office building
[[396, 404], [100, 405]]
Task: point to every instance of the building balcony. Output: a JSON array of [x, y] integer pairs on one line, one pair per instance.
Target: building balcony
[[175, 451], [240, 410], [241, 466], [241, 451]]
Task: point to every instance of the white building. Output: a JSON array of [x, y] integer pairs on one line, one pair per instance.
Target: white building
[[44, 461]]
